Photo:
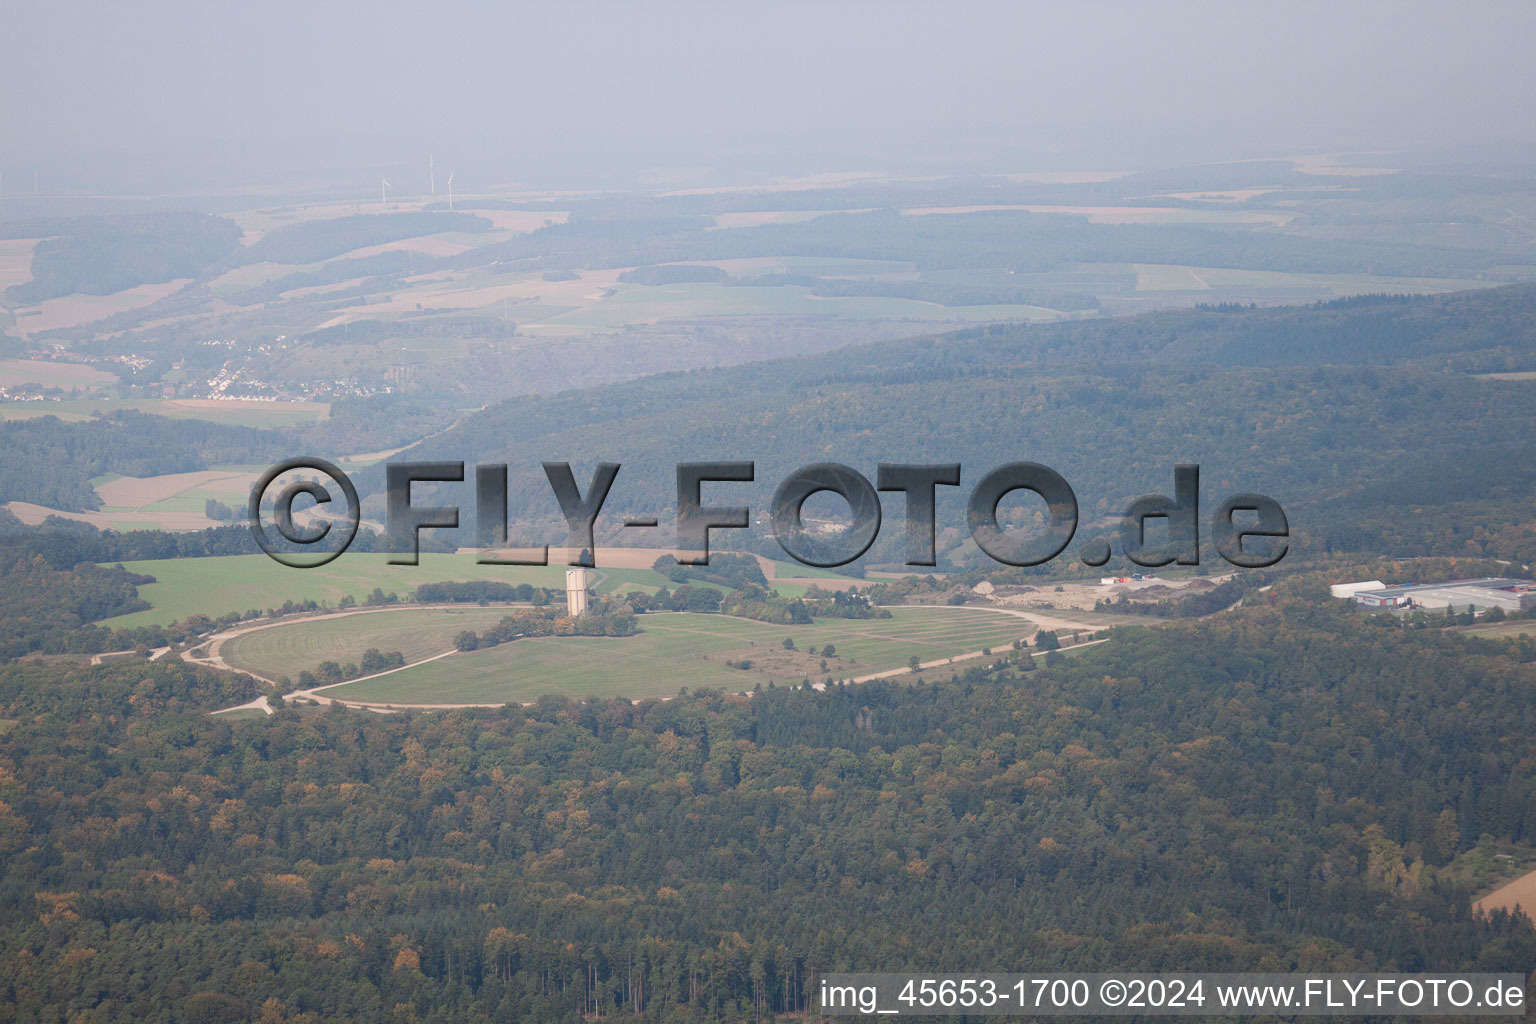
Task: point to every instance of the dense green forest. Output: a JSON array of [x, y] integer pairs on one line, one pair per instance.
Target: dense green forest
[[757, 234], [1221, 796], [41, 603]]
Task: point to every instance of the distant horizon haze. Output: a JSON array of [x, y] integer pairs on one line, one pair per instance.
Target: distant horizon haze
[[173, 96]]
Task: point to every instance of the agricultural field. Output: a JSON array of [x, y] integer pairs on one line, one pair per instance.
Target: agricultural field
[[252, 275], [233, 411], [16, 261], [816, 266], [1502, 630], [238, 583], [141, 493], [1515, 375], [173, 501], [676, 649], [1518, 894], [1095, 214], [757, 218], [256, 223], [76, 309], [633, 304], [51, 374], [182, 512], [417, 633], [1226, 283], [1499, 871], [1124, 214], [596, 302]]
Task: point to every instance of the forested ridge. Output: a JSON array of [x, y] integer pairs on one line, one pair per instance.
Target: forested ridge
[[40, 603], [99, 255], [1022, 241], [1349, 413], [51, 462], [1345, 412], [1220, 796]]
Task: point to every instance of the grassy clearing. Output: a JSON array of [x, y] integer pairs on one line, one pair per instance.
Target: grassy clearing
[[1489, 865], [677, 649], [237, 714], [1502, 630], [416, 633], [622, 581], [237, 583], [794, 570]]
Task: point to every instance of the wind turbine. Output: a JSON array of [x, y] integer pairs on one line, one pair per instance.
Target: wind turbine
[[383, 195], [450, 193], [432, 173]]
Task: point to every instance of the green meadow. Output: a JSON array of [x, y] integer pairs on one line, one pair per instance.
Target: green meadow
[[677, 649]]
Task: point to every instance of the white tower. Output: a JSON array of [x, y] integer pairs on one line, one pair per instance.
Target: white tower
[[576, 592]]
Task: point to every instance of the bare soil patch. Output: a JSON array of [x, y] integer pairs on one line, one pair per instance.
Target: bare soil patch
[[1519, 893]]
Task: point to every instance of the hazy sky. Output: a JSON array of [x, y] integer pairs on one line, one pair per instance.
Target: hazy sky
[[773, 87]]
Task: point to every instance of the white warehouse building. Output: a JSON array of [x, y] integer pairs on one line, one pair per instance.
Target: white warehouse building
[[1347, 590], [1483, 595]]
